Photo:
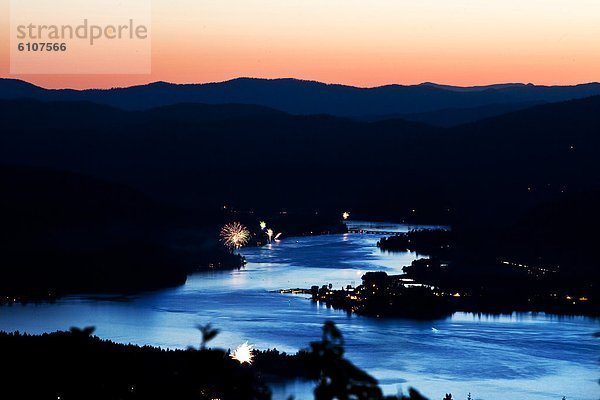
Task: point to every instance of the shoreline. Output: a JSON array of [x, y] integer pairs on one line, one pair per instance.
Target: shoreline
[[449, 314], [221, 262], [335, 298]]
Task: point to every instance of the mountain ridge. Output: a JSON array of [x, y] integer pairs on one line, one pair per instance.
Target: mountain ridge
[[288, 79], [302, 97]]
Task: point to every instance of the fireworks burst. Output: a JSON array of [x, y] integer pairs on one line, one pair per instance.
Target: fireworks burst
[[235, 235], [263, 225], [243, 353], [270, 234], [346, 215]]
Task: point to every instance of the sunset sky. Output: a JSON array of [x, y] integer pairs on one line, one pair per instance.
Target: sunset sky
[[359, 42]]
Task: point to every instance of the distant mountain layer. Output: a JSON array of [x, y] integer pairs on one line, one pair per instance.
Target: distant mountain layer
[[449, 117], [436, 104], [63, 233], [205, 155]]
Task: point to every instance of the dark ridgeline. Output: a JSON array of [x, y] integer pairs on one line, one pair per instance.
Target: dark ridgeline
[[182, 163], [271, 162], [449, 117], [483, 171], [428, 102]]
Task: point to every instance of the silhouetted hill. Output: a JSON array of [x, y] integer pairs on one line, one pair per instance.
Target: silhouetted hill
[[17, 89], [450, 117], [50, 198], [521, 158], [568, 226], [194, 112], [63, 232], [308, 97], [211, 162], [481, 171]]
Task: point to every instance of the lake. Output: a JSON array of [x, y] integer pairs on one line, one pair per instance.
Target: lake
[[519, 356]]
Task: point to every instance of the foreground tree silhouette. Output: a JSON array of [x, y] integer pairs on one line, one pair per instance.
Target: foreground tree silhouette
[[338, 378], [208, 333], [85, 332]]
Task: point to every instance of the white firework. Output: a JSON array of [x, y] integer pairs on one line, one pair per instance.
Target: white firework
[[243, 353], [234, 235]]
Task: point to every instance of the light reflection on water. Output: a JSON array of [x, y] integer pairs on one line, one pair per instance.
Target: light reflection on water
[[522, 356]]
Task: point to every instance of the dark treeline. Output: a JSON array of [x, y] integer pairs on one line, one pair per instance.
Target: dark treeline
[[431, 290], [76, 365], [422, 241], [381, 295]]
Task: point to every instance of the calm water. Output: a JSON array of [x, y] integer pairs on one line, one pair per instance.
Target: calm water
[[521, 356]]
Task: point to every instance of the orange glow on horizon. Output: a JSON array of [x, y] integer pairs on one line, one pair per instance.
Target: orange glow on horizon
[[366, 44]]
